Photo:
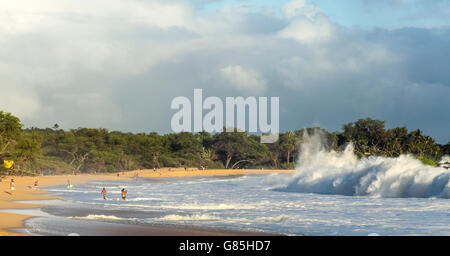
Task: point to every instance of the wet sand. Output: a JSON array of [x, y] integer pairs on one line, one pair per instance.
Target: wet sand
[[25, 191]]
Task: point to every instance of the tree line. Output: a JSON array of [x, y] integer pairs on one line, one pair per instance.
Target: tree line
[[99, 150]]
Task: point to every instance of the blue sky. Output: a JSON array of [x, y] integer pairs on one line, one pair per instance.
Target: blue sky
[[367, 14], [118, 64], [387, 13]]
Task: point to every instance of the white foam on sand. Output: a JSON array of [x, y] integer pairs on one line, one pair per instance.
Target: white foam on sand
[[201, 206], [194, 217], [101, 217]]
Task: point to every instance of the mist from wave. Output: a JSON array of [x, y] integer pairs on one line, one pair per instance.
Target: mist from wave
[[325, 171]]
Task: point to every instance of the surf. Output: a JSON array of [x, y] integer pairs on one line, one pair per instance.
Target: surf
[[324, 171]]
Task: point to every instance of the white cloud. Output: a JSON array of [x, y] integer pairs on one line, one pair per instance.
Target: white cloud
[[299, 8], [25, 15], [349, 57], [118, 64], [243, 80], [309, 31], [306, 23]]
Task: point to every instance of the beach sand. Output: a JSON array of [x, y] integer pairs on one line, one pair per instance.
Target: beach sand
[[24, 191]]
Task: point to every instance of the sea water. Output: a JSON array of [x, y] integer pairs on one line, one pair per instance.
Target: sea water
[[330, 193], [244, 203]]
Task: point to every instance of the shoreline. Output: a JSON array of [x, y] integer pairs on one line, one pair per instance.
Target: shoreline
[[25, 192]]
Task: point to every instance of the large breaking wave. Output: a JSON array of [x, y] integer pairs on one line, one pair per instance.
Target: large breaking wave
[[329, 172]]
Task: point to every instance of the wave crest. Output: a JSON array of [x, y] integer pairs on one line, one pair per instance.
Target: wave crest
[[330, 172]]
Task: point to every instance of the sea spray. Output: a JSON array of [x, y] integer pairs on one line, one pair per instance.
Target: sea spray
[[324, 171]]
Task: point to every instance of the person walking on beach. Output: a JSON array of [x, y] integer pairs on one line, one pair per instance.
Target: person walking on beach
[[104, 193], [68, 184], [35, 183], [124, 194], [11, 186]]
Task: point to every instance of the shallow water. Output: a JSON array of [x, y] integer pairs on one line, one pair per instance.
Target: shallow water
[[245, 203]]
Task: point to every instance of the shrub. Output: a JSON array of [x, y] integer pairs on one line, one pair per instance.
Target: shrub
[[427, 161]]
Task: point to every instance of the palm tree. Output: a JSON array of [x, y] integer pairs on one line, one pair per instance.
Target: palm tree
[[55, 127], [288, 144]]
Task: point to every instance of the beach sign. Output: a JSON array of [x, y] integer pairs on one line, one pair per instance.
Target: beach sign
[[8, 163]]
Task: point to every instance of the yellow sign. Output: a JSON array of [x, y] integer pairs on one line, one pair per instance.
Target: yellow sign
[[8, 163]]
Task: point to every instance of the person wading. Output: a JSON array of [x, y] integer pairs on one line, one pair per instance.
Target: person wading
[[124, 194], [104, 193]]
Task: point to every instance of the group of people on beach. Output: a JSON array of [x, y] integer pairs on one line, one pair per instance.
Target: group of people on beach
[[12, 186], [123, 192]]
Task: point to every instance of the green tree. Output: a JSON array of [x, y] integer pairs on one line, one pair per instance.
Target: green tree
[[367, 134], [274, 153], [422, 145], [87, 149], [28, 146], [9, 132], [230, 146], [288, 144], [396, 141]]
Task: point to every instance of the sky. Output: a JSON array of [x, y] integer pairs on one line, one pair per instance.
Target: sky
[[118, 64]]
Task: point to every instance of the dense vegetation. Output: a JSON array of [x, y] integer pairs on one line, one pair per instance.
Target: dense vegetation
[[88, 150]]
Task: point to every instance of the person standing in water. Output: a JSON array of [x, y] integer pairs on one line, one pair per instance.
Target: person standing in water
[[124, 194], [11, 186], [104, 193]]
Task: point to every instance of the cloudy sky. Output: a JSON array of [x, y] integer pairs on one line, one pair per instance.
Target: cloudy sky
[[118, 64]]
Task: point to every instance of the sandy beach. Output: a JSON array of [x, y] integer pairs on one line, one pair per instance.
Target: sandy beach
[[24, 191]]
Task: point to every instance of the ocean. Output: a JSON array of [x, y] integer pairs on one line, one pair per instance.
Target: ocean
[[330, 193], [243, 203]]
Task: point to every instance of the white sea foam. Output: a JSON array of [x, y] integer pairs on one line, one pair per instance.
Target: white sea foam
[[106, 187], [212, 217], [193, 206], [445, 158], [209, 206], [279, 218], [194, 217], [101, 217], [144, 199], [330, 172], [100, 199]]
